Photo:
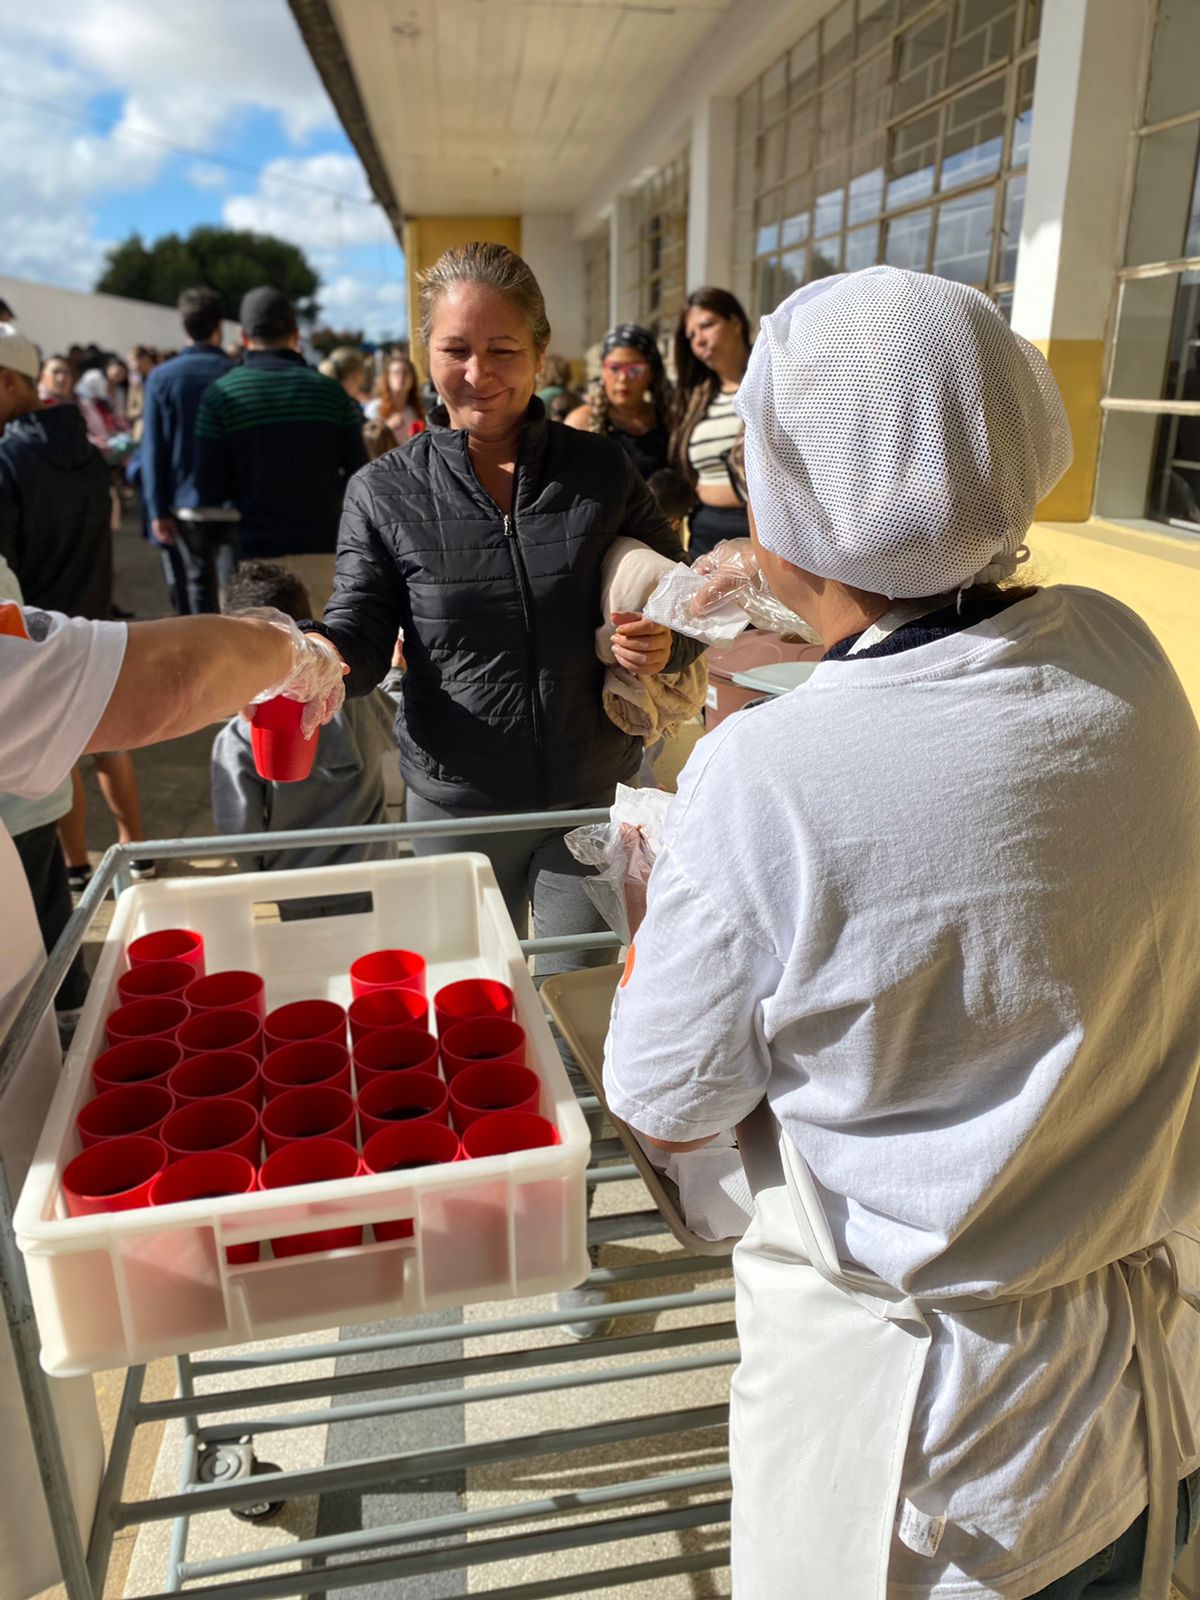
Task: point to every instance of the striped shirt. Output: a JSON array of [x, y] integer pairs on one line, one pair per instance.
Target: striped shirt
[[713, 436]]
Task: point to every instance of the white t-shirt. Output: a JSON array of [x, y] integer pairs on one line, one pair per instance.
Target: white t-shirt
[[941, 908], [56, 677]]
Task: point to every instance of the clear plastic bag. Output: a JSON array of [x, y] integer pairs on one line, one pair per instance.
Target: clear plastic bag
[[723, 593], [675, 602], [623, 850]]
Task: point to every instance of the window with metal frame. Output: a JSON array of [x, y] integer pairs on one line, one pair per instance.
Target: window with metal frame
[[894, 130], [597, 286], [659, 247], [1150, 453]]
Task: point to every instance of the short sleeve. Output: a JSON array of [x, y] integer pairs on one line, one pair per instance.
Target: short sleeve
[[57, 675]]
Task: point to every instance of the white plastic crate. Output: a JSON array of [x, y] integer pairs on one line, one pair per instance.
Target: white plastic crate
[[126, 1287]]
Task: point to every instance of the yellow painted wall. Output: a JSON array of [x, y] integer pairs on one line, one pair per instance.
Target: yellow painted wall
[[426, 238], [1156, 575], [1078, 368]]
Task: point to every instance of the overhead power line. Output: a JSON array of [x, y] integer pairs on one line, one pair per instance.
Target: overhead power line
[[144, 136]]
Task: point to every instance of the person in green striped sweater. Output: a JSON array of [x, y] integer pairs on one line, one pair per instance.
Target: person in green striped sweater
[[279, 442]]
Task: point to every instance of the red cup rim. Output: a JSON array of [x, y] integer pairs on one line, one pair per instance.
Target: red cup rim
[[194, 1110], [453, 1042], [131, 1047], [107, 1105], [336, 1018], [288, 1101], [245, 1027], [192, 944], [307, 1152], [410, 965], [205, 1060], [340, 1061], [254, 987], [419, 1131], [406, 998], [376, 1043], [459, 1088], [487, 1129], [443, 1000], [410, 1086], [169, 1022], [129, 1148], [145, 971], [178, 1173]]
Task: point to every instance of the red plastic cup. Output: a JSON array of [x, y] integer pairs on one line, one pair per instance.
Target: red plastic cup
[[471, 997], [307, 1062], [405, 1145], [168, 944], [387, 1008], [311, 1161], [281, 752], [207, 1125], [160, 1018], [208, 1177], [228, 991], [113, 1176], [135, 1061], [217, 1075], [482, 1089], [397, 1097], [136, 1108], [392, 1050], [314, 1113], [151, 979], [304, 1019], [504, 1132], [388, 969], [490, 1039], [207, 1031]]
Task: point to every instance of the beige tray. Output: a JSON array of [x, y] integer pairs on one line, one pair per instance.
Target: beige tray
[[580, 1003]]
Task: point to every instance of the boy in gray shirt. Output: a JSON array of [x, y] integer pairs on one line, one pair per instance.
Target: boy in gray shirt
[[345, 788]]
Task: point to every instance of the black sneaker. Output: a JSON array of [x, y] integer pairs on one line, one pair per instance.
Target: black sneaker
[[143, 871], [78, 878]]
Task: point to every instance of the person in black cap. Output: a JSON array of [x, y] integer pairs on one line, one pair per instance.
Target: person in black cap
[[279, 442]]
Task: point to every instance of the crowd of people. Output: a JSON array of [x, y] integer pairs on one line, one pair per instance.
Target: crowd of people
[[924, 931]]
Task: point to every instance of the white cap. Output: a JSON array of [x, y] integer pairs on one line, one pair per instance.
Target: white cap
[[899, 435], [18, 353]]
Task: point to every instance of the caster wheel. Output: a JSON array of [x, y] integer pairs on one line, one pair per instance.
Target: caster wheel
[[226, 1463]]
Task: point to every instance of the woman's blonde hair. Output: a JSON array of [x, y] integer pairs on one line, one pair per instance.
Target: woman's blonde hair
[[494, 266]]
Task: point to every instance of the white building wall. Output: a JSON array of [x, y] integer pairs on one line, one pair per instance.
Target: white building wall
[[555, 256], [55, 318]]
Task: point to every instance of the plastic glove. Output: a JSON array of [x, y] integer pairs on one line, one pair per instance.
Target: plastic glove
[[730, 571], [316, 674]]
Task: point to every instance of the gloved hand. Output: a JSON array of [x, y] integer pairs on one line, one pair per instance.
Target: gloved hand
[[731, 572], [316, 673]]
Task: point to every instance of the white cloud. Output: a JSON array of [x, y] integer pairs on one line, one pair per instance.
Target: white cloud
[[318, 222], [207, 175], [379, 308]]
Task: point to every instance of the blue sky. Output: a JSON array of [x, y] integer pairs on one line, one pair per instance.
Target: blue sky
[[229, 79]]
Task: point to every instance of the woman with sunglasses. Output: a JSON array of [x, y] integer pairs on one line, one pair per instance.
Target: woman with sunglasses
[[631, 400]]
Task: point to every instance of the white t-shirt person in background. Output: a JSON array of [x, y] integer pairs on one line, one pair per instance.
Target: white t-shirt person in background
[[939, 907], [67, 687]]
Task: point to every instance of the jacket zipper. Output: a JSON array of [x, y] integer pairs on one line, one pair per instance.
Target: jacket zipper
[[522, 575]]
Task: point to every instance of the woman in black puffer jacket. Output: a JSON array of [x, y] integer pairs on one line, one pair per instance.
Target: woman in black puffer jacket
[[483, 539]]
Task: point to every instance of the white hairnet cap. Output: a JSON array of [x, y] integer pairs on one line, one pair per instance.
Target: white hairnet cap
[[898, 433]]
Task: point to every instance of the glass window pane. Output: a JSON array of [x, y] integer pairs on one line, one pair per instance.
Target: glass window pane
[[875, 19], [1033, 20], [1143, 365], [872, 94], [827, 213], [797, 204], [1004, 304], [908, 241], [767, 294], [983, 37], [914, 151], [1161, 218], [1175, 495], [1192, 243], [1024, 109], [865, 197], [801, 128], [826, 259], [743, 235], [837, 40], [766, 224], [835, 119], [770, 155], [963, 246], [792, 269], [1014, 210], [974, 135], [747, 114], [862, 248], [802, 67], [921, 62], [1174, 81], [774, 92]]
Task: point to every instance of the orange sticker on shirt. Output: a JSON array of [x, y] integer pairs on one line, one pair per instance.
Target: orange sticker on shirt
[[12, 622], [629, 961]]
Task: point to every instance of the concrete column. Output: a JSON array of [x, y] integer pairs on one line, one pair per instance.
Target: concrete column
[[556, 259], [624, 260], [710, 193], [1085, 107]]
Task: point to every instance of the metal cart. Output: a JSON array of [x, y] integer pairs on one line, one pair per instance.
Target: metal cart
[[461, 1365]]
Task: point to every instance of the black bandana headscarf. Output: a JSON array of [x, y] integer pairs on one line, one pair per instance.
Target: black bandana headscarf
[[634, 337]]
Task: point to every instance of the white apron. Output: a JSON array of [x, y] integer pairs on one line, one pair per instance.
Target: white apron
[[822, 1400], [28, 1561]]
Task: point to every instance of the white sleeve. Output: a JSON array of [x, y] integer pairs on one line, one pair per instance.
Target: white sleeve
[[686, 1054], [57, 675]]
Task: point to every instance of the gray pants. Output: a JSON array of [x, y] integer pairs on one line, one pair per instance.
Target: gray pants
[[534, 867]]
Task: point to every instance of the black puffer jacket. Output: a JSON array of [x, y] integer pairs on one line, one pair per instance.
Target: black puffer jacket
[[501, 708]]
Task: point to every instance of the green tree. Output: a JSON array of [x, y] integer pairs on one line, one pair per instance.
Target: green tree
[[228, 260], [324, 340]]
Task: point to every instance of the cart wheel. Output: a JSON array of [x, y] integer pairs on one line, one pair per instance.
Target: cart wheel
[[226, 1463]]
